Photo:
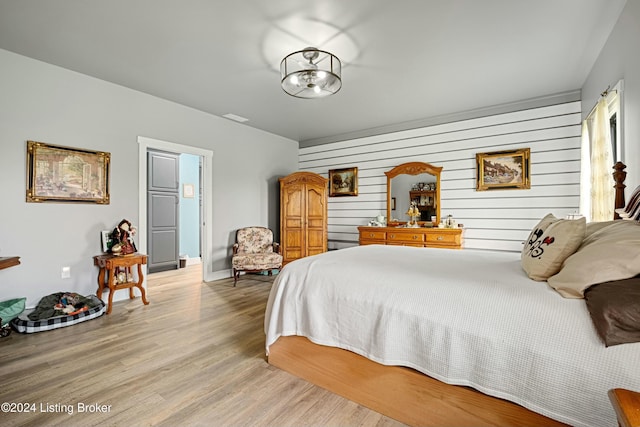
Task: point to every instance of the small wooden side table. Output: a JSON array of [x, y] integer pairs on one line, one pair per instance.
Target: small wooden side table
[[627, 406], [111, 263]]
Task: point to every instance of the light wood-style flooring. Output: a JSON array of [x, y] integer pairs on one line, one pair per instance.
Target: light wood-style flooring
[[193, 357]]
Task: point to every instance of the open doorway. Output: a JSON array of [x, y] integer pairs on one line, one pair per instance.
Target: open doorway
[[205, 182]]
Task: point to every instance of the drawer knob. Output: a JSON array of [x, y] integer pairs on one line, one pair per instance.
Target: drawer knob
[[393, 236], [440, 237], [370, 234], [415, 237]]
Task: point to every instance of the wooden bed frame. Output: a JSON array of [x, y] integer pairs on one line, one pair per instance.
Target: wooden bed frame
[[403, 393]]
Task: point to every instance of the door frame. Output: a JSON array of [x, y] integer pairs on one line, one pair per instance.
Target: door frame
[[144, 144]]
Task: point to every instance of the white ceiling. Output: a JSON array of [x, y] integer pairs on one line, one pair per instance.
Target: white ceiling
[[404, 60]]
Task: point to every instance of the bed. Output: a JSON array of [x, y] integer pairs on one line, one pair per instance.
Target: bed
[[441, 333]]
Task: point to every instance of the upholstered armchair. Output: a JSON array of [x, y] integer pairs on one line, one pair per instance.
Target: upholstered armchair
[[255, 251]]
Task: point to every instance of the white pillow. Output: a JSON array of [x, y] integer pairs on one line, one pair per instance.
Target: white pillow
[[549, 244], [610, 253]]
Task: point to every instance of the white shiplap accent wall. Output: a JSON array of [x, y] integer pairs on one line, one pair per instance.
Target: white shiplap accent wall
[[497, 220]]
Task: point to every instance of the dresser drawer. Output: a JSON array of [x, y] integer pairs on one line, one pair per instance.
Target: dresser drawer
[[435, 239], [409, 237], [373, 235]]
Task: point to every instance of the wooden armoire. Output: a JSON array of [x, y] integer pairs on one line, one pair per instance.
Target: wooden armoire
[[303, 215]]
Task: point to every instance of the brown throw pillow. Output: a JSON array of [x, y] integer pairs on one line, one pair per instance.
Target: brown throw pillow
[[614, 308], [551, 242]]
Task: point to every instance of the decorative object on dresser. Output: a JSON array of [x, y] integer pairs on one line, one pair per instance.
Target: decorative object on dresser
[[64, 174], [255, 251], [414, 214], [503, 170], [343, 182], [303, 215]]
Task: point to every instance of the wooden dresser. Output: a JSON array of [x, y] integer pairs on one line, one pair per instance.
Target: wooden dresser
[[423, 237]]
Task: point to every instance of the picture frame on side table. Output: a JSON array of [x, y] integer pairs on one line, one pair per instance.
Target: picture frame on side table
[[503, 170], [343, 182], [106, 240], [65, 174]]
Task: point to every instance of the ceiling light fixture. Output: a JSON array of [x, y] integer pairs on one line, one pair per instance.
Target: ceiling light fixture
[[311, 73]]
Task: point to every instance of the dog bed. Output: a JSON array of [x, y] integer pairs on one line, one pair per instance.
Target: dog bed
[[23, 324]]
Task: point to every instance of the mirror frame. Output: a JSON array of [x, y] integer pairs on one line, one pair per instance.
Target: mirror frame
[[414, 168]]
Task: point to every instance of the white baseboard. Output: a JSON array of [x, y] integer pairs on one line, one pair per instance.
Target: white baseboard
[[218, 275]]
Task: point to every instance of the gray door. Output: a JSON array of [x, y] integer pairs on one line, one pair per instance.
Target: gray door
[[162, 210]]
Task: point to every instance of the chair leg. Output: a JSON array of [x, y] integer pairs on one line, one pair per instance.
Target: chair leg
[[236, 273]]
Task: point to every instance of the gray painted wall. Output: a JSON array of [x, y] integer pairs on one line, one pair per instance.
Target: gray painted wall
[[46, 103], [619, 59]]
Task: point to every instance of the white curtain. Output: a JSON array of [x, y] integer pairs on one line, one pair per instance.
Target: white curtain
[[585, 173], [602, 183]]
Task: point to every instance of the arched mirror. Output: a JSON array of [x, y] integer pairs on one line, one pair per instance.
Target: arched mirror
[[413, 181]]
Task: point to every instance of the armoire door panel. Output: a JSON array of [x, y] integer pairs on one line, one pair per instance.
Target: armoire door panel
[[315, 223], [293, 238], [316, 202], [294, 204], [315, 251], [294, 222], [292, 254], [316, 240]]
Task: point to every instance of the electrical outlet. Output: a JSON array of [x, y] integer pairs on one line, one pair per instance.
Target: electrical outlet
[[66, 272]]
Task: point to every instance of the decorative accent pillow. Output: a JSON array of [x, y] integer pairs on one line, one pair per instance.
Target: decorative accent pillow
[[614, 308], [549, 244], [632, 210], [610, 253]]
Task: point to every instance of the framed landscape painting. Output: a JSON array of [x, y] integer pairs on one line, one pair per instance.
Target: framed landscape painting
[[65, 174], [503, 170], [343, 182]]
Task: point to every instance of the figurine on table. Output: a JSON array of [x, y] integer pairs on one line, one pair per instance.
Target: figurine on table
[[122, 237]]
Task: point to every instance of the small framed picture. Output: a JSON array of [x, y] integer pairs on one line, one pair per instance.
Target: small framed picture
[[503, 170], [393, 203], [343, 182], [188, 191], [105, 239]]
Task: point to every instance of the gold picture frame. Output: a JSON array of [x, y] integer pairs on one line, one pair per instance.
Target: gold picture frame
[[64, 174], [343, 182], [504, 170]]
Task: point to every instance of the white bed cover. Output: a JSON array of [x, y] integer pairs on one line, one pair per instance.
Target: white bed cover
[[464, 317]]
